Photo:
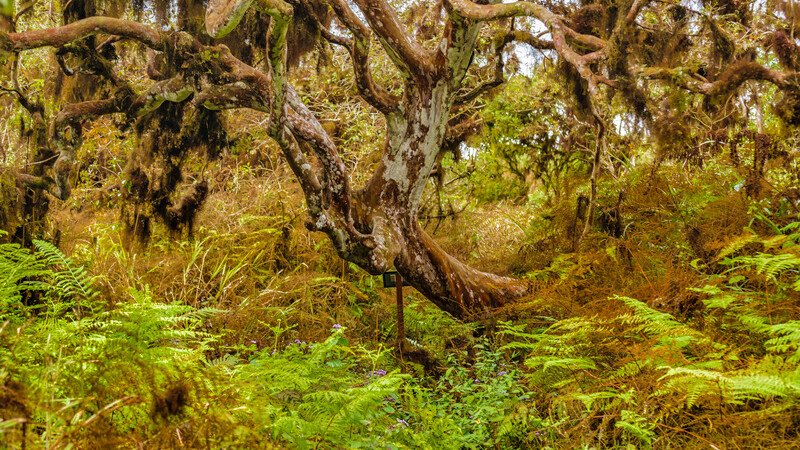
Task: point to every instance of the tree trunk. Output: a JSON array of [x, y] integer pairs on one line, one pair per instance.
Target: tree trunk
[[389, 204], [453, 286]]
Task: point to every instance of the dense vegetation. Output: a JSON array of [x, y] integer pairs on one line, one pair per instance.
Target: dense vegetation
[[164, 291]]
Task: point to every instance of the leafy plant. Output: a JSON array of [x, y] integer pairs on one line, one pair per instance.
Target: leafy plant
[[477, 406], [310, 395], [21, 273], [71, 284]]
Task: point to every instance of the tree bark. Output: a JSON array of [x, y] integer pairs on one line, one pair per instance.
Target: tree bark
[[388, 206], [451, 285]]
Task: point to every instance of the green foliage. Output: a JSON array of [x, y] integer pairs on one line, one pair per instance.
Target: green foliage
[[432, 329], [743, 352], [103, 366], [7, 8], [313, 394], [637, 426], [20, 274], [138, 371], [223, 341], [521, 142], [666, 330], [561, 354], [477, 406], [71, 284], [755, 285]]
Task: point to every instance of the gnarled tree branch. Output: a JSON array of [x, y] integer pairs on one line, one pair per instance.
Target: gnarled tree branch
[[410, 57], [358, 47]]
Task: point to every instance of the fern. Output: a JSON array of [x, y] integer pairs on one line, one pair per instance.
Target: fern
[[770, 265], [792, 232], [762, 386], [70, 279], [20, 271], [734, 389], [558, 354], [553, 362], [637, 426], [737, 244], [76, 369], [165, 330], [717, 298], [763, 326], [653, 322], [560, 269], [589, 400], [773, 266], [660, 325], [71, 286], [785, 338], [312, 395]]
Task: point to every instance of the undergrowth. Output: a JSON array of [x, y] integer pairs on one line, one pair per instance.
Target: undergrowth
[[217, 346], [646, 378]]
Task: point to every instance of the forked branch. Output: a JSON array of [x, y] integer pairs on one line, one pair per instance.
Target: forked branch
[[359, 47], [411, 58]]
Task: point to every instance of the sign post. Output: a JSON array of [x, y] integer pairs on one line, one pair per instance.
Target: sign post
[[393, 279]]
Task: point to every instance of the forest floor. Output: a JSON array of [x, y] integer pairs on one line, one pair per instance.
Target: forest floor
[[675, 324]]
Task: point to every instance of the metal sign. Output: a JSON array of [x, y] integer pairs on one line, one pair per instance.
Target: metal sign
[[389, 279]]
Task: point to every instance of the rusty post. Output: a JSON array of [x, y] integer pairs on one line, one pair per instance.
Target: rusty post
[[401, 326]]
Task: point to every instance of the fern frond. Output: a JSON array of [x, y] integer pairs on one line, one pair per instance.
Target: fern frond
[[764, 263], [792, 232], [733, 389], [654, 322], [761, 386], [71, 281], [554, 362], [637, 426], [737, 244], [754, 322], [660, 325], [20, 271]]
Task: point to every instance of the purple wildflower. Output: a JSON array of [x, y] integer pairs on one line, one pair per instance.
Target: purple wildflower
[[378, 373], [337, 326], [402, 422], [501, 373]]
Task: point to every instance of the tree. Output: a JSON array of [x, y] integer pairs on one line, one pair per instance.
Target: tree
[[606, 49]]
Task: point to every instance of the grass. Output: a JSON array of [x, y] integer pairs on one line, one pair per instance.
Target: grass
[[254, 334]]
